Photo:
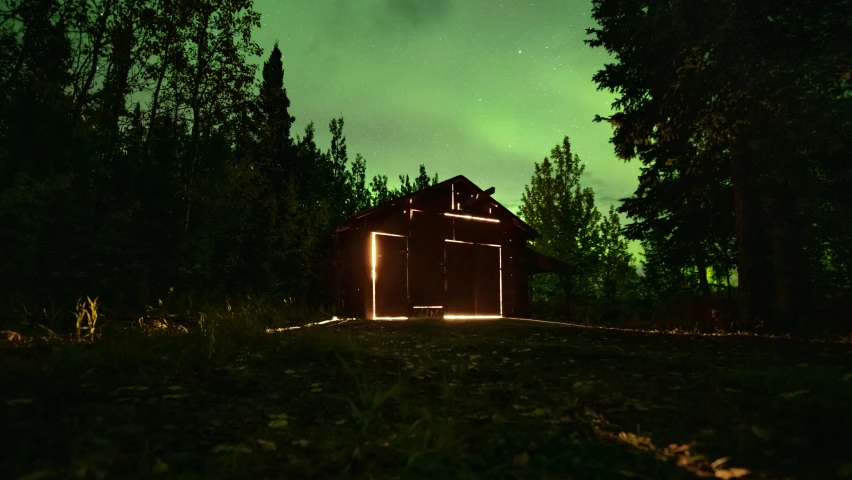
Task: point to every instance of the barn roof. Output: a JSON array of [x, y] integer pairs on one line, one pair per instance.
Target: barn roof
[[458, 178]]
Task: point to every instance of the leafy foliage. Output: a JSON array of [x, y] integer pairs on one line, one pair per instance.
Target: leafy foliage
[[597, 263]]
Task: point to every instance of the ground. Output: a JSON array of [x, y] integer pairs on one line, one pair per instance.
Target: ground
[[427, 399]]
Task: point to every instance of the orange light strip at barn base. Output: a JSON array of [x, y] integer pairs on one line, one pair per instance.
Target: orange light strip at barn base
[[307, 325], [472, 317], [471, 217], [373, 256], [433, 306]]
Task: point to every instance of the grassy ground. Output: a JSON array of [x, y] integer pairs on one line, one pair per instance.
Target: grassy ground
[[426, 399]]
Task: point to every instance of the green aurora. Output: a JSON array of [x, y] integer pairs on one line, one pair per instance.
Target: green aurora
[[476, 88]]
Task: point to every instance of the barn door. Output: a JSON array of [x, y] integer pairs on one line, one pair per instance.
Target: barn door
[[426, 269], [390, 280], [487, 281], [471, 279]]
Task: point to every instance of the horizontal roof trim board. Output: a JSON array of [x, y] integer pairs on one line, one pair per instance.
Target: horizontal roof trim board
[[431, 306], [473, 317], [473, 243], [471, 217]]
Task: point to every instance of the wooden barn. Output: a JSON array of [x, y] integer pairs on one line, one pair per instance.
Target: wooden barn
[[448, 251]]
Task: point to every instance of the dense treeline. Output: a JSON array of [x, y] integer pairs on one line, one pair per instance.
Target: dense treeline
[[741, 114], [139, 153]]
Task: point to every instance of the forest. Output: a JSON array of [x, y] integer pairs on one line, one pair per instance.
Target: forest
[[164, 254], [142, 154], [140, 157]]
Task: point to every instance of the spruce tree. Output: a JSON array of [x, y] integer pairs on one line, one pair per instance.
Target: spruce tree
[[276, 144]]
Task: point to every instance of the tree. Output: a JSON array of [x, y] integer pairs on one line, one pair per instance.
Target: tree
[[359, 197], [275, 121], [564, 214], [616, 274], [213, 80], [422, 181], [379, 191], [764, 86], [406, 186]]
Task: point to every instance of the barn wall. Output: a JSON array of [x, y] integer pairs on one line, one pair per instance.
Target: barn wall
[[422, 221]]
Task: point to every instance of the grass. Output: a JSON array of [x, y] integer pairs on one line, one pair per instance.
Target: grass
[[425, 399]]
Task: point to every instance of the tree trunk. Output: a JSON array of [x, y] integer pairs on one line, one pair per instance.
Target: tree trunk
[[702, 275], [81, 96], [753, 301], [155, 100], [195, 135], [791, 275], [568, 287]]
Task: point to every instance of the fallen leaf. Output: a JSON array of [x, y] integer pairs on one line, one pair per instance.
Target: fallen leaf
[[521, 460], [340, 422], [761, 433], [795, 394], [732, 473], [160, 466], [847, 377], [173, 388], [241, 448], [38, 475], [629, 474], [278, 423], [134, 388], [300, 443], [176, 395], [19, 401], [266, 445], [289, 371]]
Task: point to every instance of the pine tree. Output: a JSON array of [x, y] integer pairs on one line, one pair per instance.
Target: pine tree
[[275, 120], [764, 86]]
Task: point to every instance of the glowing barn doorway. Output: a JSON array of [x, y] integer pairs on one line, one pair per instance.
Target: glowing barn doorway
[[473, 283], [389, 271]]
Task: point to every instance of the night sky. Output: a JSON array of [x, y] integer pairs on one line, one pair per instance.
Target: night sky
[[471, 87]]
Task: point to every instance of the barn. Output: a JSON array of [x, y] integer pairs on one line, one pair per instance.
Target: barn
[[448, 251]]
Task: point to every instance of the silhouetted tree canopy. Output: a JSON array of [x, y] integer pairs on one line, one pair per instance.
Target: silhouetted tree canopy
[[739, 113]]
